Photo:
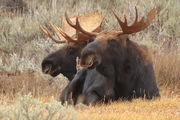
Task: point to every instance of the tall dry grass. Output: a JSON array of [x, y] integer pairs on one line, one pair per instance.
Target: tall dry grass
[[29, 108], [14, 84], [167, 68]]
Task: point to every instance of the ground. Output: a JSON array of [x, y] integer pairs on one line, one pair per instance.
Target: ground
[[163, 109], [40, 104]]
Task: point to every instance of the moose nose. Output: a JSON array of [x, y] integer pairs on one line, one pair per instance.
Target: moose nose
[[47, 66]]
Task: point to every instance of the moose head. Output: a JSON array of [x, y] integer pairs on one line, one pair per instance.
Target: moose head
[[64, 60], [93, 53]]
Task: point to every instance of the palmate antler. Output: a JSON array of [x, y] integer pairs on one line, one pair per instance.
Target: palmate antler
[[45, 30], [88, 19], [78, 27], [135, 27], [60, 33], [83, 35]]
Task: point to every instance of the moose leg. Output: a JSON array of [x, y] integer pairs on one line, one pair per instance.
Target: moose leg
[[63, 96], [91, 98], [95, 92], [76, 85]]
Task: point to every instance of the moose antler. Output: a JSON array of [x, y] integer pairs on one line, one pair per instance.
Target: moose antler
[[60, 33], [81, 36], [78, 27], [137, 25], [45, 30]]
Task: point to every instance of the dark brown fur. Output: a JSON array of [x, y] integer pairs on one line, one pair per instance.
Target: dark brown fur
[[64, 61], [129, 65], [126, 68]]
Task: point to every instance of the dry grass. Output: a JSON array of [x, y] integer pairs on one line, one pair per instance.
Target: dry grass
[[167, 68], [164, 109], [13, 84], [29, 108]]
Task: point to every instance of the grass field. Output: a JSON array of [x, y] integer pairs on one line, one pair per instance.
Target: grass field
[[27, 94], [29, 108], [164, 109]]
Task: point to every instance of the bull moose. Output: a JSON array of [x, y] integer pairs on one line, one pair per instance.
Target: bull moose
[[126, 66], [64, 60]]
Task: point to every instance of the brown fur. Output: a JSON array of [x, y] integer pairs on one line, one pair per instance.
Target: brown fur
[[63, 60], [126, 69], [133, 74]]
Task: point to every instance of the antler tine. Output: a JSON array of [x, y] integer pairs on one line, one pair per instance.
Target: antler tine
[[142, 24], [78, 27], [67, 37], [77, 31], [137, 26], [45, 30], [91, 34], [60, 32], [69, 21], [56, 31], [136, 19], [125, 20], [122, 24]]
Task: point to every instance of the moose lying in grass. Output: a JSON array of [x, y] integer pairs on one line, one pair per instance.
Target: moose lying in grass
[[64, 60], [126, 67]]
